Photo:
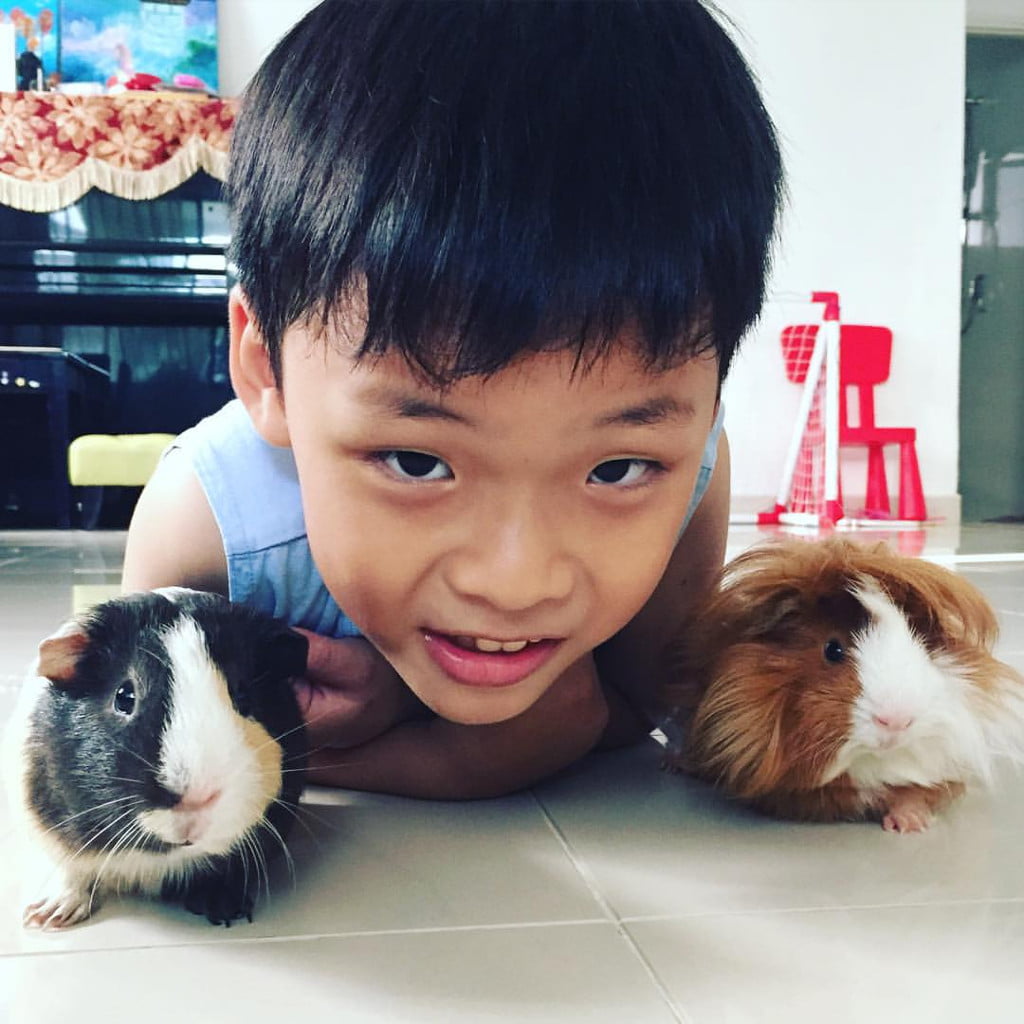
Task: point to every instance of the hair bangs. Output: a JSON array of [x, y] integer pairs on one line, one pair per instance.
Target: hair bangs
[[505, 177]]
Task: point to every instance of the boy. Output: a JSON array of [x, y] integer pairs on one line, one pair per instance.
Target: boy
[[494, 259]]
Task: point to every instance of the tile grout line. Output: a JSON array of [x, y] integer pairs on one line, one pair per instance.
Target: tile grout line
[[612, 915], [826, 908], [310, 937]]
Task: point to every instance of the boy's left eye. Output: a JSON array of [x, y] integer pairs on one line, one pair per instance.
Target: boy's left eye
[[411, 465], [622, 472]]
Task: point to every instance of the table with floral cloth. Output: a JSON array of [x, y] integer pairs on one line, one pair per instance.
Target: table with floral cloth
[[137, 145]]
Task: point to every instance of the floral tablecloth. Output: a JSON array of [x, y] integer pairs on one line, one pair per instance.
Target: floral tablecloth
[[54, 148]]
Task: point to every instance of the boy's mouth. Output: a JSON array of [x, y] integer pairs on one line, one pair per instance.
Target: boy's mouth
[[480, 643], [481, 661]]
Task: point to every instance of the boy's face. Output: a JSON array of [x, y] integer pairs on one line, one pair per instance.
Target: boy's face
[[486, 537]]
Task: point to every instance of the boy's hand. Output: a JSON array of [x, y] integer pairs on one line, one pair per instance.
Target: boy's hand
[[436, 759], [350, 693]]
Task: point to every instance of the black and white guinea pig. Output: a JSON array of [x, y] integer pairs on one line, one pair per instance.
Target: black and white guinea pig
[[158, 749], [828, 680]]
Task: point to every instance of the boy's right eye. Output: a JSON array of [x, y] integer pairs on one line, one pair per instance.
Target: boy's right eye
[[407, 465]]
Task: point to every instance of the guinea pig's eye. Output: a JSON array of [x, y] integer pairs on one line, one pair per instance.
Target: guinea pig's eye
[[124, 699], [834, 651]]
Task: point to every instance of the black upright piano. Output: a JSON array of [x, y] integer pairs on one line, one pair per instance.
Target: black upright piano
[[123, 305]]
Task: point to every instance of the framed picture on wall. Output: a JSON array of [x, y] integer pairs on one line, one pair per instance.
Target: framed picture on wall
[[112, 41], [35, 33]]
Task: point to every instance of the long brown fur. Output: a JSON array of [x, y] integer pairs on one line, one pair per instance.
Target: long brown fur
[[763, 713]]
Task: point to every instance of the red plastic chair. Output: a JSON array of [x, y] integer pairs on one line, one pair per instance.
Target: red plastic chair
[[865, 355]]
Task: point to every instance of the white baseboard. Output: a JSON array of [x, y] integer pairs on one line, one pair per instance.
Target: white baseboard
[[944, 508]]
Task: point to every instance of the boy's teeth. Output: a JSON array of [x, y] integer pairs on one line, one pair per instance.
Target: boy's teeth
[[491, 646]]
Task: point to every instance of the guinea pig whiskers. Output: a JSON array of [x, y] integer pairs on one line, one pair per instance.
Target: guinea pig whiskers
[[296, 812], [323, 767], [244, 850], [132, 828], [91, 839], [305, 754], [260, 859], [125, 778], [90, 810], [110, 824], [69, 858], [157, 655], [136, 754], [280, 736], [249, 849], [267, 824], [75, 854], [314, 750], [288, 732]]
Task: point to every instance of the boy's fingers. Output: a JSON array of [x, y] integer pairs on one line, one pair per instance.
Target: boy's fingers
[[345, 663], [329, 714], [349, 693]]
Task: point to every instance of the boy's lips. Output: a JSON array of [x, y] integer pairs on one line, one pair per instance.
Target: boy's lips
[[486, 668]]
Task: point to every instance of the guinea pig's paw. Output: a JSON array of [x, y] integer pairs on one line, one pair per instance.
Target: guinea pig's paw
[[70, 907], [908, 813], [220, 900]]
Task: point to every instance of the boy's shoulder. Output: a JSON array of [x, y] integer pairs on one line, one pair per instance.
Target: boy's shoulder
[[252, 486], [252, 489]]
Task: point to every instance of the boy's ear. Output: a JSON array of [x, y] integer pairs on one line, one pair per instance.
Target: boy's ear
[[252, 376]]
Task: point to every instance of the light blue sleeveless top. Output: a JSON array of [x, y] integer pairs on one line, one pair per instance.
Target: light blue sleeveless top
[[253, 490]]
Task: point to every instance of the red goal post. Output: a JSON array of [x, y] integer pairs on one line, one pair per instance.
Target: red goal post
[[809, 493]]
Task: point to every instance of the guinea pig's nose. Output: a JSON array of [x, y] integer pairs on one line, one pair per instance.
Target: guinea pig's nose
[[195, 799], [161, 796], [894, 721]]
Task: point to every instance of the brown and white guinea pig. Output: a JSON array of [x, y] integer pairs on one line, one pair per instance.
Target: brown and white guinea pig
[[159, 749], [830, 681]]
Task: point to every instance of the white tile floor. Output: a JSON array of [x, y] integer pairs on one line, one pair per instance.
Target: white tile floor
[[613, 893]]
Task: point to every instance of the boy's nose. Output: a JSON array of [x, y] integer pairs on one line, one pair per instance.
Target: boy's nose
[[515, 565]]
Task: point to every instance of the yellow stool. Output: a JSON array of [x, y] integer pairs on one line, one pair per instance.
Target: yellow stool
[[115, 460], [111, 460], [85, 595]]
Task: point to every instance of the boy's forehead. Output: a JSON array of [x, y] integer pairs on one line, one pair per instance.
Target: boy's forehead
[[615, 383], [621, 366], [618, 389]]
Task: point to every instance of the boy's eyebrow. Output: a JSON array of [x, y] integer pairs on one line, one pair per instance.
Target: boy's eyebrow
[[412, 407], [645, 414]]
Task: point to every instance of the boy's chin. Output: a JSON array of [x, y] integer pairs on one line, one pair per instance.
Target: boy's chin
[[489, 707]]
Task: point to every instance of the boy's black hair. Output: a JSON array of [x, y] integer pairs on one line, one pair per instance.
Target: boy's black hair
[[506, 176]]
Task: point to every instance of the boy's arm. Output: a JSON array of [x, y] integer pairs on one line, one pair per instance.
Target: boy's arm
[[437, 759], [631, 662], [173, 539]]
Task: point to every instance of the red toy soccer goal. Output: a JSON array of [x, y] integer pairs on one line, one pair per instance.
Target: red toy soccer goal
[[828, 359]]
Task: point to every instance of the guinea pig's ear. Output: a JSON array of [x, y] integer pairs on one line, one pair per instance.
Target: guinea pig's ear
[[942, 606], [769, 612], [286, 652], [59, 654]]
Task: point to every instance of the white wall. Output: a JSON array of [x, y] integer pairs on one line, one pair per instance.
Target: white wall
[[868, 96], [8, 77], [995, 16], [247, 30]]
